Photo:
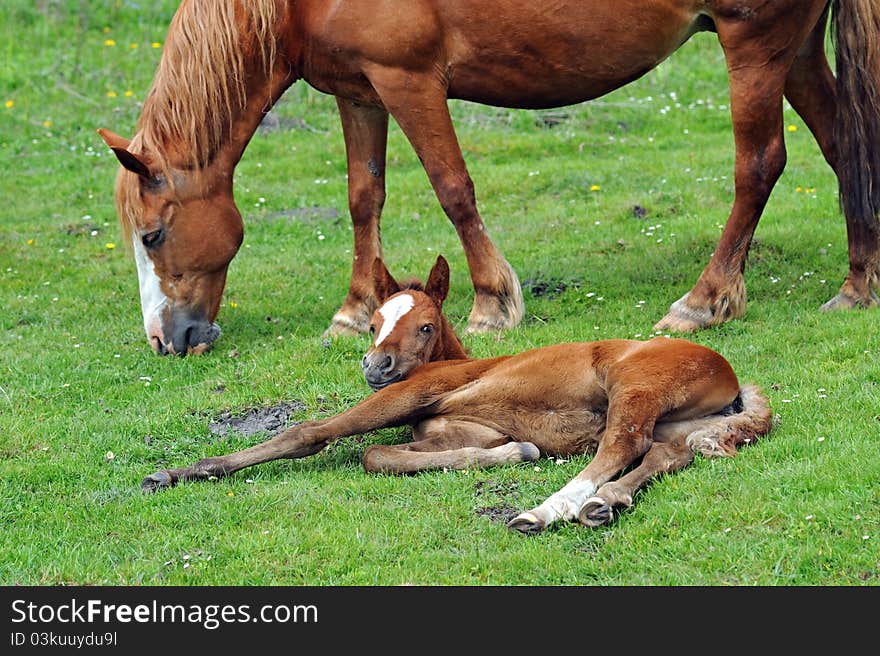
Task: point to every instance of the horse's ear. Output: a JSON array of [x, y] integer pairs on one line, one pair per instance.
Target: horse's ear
[[119, 146], [438, 281], [385, 283]]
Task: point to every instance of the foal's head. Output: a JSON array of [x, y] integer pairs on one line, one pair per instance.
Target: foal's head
[[409, 328]]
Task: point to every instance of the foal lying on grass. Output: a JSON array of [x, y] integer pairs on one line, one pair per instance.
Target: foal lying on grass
[[650, 404]]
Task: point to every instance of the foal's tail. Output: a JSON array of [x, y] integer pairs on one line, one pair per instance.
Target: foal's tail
[[742, 422], [855, 29]]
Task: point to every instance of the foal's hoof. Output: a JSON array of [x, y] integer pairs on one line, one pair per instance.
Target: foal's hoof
[[526, 523], [158, 481], [595, 512]]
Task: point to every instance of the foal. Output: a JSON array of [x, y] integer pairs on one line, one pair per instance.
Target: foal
[[647, 404]]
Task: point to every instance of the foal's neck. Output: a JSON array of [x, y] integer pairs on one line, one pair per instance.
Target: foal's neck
[[448, 347]]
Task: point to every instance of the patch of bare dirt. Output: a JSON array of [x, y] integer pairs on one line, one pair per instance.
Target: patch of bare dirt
[[270, 420]]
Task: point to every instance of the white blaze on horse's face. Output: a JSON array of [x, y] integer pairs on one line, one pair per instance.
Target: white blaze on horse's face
[[152, 298], [391, 313]]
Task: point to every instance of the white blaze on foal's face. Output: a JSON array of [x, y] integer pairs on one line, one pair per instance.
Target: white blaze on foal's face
[[391, 313]]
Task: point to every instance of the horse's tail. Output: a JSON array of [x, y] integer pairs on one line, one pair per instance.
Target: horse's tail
[[855, 29], [742, 422]]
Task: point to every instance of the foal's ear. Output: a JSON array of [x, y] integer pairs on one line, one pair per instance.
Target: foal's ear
[[438, 281], [119, 146], [386, 285]]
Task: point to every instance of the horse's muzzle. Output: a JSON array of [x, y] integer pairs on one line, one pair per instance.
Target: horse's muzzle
[[188, 336]]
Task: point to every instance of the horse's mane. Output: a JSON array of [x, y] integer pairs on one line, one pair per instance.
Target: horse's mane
[[200, 85]]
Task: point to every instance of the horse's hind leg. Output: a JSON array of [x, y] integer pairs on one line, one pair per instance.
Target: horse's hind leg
[[662, 457], [756, 89], [418, 104], [366, 132], [442, 444], [810, 87]]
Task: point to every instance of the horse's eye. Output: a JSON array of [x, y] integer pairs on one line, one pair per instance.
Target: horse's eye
[[372, 330], [153, 239], [427, 329]]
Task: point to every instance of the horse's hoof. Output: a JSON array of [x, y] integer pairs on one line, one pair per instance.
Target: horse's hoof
[[344, 325], [526, 523], [595, 512], [845, 301], [158, 481], [485, 325], [681, 318]]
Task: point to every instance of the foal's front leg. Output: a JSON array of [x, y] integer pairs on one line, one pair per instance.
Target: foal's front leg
[[395, 405]]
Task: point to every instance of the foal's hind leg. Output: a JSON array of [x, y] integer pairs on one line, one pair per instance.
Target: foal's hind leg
[[443, 444], [661, 458], [810, 87], [366, 132], [418, 104], [756, 87]]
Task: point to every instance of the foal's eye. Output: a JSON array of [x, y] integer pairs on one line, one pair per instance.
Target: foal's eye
[[372, 330], [153, 239], [427, 329]]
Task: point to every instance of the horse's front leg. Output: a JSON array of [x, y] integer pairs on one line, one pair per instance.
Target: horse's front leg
[[418, 104], [366, 132]]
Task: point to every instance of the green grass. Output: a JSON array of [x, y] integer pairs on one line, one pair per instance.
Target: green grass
[[77, 379]]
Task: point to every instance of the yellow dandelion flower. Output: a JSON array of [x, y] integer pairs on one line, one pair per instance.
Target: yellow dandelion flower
[[10, 104], [133, 46], [30, 242], [129, 93], [156, 44], [230, 494], [233, 304], [110, 245], [111, 94], [595, 188], [798, 189], [792, 128], [47, 123], [109, 43]]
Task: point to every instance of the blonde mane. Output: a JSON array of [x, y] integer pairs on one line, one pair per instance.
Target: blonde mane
[[199, 88]]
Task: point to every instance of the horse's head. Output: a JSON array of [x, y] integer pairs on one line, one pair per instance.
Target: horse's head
[[185, 229], [409, 328]]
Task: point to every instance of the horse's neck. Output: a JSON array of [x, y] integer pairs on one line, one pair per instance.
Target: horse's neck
[[449, 347]]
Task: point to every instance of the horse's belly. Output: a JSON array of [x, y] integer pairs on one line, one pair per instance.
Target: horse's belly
[[536, 55]]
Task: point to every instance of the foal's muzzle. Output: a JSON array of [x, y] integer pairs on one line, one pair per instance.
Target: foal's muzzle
[[380, 370]]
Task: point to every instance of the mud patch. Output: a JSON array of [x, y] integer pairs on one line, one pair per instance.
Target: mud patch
[[270, 420], [540, 286], [272, 122], [501, 513], [497, 512]]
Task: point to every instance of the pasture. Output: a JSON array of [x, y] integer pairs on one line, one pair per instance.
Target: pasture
[[608, 212]]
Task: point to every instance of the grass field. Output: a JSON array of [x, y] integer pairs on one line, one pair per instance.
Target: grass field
[[608, 211]]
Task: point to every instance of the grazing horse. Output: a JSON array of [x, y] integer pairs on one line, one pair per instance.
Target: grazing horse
[[225, 64], [649, 405]]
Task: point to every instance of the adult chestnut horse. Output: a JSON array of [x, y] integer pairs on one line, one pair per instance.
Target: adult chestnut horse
[[224, 64], [654, 402]]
